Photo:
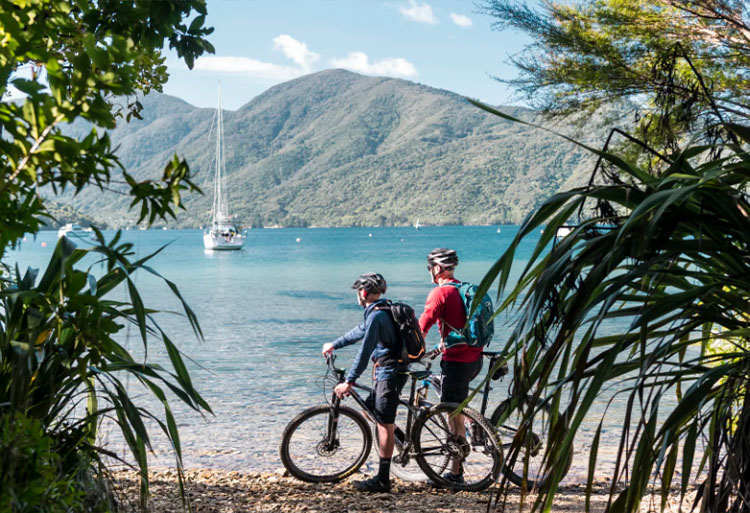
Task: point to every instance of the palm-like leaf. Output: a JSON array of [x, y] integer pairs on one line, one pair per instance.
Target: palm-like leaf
[[675, 263], [58, 344]]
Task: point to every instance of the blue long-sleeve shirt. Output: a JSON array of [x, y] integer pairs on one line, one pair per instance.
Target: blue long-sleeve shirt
[[379, 337]]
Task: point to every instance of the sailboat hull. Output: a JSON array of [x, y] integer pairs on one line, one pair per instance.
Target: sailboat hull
[[218, 242]]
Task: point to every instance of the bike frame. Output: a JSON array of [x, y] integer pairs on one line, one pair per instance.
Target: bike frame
[[493, 357], [420, 415], [411, 404]]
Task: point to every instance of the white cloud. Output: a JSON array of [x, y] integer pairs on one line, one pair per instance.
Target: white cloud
[[247, 66], [461, 20], [292, 49], [23, 71], [295, 50], [360, 62], [421, 13]]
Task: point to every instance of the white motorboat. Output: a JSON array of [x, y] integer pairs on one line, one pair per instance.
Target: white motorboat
[[72, 230], [221, 232], [564, 231]]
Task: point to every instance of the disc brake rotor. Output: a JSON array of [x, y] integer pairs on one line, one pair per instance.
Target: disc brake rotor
[[325, 448]]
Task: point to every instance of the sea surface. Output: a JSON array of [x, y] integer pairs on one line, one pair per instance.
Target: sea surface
[[267, 310]]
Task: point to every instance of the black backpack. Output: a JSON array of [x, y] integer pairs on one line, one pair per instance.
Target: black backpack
[[412, 341]]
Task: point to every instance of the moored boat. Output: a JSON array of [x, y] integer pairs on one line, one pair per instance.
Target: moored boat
[[221, 233], [74, 230]]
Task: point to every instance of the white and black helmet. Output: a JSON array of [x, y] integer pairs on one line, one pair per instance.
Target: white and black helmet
[[444, 257], [371, 282]]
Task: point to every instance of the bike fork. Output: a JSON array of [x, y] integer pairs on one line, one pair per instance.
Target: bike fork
[[333, 423]]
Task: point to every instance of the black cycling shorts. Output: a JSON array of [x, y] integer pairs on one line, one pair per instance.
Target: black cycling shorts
[[456, 378], [383, 400]]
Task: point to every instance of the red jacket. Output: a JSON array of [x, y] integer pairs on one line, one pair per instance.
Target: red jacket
[[445, 303]]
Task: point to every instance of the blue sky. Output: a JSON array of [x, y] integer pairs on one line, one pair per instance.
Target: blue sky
[[260, 43]]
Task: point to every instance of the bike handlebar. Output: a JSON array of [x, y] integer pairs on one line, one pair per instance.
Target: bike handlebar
[[425, 360], [330, 362]]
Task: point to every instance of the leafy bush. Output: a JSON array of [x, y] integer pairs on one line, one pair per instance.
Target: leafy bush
[[60, 364], [31, 470]]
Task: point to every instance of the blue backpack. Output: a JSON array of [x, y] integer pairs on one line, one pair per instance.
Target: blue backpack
[[479, 328]]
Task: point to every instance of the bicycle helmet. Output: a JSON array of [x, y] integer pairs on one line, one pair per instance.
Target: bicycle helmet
[[444, 257], [371, 282]]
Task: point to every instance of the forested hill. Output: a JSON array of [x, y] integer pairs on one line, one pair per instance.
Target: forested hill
[[336, 148]]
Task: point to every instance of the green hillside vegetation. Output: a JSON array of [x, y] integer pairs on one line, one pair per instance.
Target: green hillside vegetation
[[65, 213], [339, 149]]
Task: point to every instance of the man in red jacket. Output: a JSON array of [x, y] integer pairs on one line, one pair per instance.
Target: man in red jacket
[[460, 362]]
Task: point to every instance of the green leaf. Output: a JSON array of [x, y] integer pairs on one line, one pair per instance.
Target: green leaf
[[688, 453], [593, 452], [139, 310], [668, 473], [26, 86], [196, 24]]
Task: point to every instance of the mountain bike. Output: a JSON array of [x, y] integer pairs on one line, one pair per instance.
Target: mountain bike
[[527, 461], [329, 442]]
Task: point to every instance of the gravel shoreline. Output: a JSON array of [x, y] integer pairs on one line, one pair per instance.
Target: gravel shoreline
[[218, 491]]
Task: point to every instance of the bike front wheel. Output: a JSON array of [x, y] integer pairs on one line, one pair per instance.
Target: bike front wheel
[[475, 450], [316, 446], [528, 468]]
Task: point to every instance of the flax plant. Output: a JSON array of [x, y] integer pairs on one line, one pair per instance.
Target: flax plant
[[648, 292], [62, 361]]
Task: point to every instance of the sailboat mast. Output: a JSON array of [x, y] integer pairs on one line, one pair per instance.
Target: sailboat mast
[[222, 234], [218, 189]]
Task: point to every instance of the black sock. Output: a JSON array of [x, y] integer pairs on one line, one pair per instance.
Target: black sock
[[384, 470]]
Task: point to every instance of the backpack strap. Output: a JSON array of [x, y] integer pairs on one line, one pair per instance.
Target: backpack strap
[[457, 286]]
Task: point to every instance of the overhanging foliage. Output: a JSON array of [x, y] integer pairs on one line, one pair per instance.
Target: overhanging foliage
[[671, 256]]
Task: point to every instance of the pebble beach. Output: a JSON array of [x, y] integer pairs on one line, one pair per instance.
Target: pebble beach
[[218, 491]]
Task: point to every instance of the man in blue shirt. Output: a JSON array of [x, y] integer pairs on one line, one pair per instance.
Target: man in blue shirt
[[381, 344]]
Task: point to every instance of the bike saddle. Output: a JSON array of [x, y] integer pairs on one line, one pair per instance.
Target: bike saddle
[[418, 374]]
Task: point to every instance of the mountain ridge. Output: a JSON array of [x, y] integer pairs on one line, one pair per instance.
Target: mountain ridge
[[340, 149]]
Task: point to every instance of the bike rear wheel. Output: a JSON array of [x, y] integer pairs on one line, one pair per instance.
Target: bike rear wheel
[[528, 464], [310, 454], [403, 464], [477, 450]]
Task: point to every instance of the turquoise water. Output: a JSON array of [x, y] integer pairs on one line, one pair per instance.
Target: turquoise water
[[266, 312]]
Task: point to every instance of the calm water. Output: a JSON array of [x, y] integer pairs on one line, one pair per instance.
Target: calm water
[[267, 310]]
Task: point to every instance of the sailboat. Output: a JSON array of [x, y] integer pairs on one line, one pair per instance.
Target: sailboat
[[221, 232], [416, 225]]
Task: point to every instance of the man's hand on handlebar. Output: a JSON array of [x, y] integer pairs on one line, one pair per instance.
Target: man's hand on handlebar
[[327, 349], [342, 389]]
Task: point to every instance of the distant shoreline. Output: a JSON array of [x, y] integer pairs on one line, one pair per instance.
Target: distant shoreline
[[279, 227]]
